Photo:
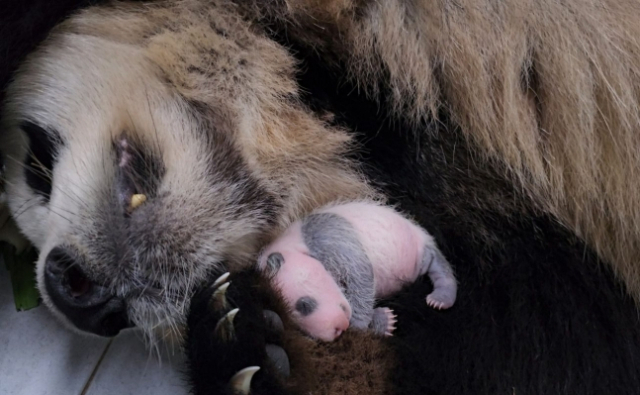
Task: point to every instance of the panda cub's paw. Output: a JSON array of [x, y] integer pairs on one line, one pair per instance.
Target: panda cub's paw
[[383, 321], [234, 342], [440, 299]]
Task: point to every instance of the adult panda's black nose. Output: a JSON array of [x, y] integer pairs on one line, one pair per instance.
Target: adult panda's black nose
[[88, 305]]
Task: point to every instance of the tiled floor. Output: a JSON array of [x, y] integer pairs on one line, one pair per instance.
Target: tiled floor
[[38, 356]]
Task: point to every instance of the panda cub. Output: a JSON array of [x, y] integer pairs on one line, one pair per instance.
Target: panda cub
[[333, 264]]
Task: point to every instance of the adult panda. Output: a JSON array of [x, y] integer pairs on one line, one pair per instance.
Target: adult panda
[[508, 130]]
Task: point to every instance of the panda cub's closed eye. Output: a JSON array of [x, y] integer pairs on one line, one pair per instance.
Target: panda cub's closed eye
[[43, 146]]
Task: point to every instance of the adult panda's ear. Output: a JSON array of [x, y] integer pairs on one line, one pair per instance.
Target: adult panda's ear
[[275, 260]]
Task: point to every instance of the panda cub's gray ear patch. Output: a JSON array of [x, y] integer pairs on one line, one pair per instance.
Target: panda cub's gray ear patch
[[274, 261], [306, 305]]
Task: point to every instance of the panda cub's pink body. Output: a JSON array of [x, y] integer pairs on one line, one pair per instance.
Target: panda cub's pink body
[[333, 264], [393, 244]]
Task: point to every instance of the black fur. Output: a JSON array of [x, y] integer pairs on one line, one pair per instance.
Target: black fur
[[24, 24], [536, 312], [43, 147], [210, 372], [139, 170]]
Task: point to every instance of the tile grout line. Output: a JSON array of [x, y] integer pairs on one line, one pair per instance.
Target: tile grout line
[[85, 389]]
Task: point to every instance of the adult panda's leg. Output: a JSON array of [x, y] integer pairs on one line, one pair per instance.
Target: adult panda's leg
[[223, 353], [236, 338], [536, 312], [536, 315]]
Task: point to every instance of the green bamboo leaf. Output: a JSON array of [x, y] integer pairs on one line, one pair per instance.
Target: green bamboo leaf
[[22, 270], [20, 259]]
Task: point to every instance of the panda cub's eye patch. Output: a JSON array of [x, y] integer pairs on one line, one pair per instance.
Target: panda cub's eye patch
[[43, 146], [306, 305]]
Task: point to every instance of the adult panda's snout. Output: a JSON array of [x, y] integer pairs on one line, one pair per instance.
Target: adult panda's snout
[[88, 305]]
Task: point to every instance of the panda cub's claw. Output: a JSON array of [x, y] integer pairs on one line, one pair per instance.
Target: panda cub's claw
[[383, 321], [391, 321], [440, 300]]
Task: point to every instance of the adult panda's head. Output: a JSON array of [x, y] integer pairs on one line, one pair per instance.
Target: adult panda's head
[[146, 147]]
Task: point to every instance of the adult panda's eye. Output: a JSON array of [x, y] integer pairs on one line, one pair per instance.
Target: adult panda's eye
[[40, 159]]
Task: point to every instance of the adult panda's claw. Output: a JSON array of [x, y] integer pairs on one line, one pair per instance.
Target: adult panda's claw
[[224, 328], [241, 381], [221, 343], [221, 280], [219, 298]]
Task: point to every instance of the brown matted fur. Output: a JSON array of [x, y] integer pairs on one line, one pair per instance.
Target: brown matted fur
[[222, 68], [548, 89], [551, 89], [194, 85]]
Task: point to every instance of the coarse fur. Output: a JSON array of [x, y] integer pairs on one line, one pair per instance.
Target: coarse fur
[[189, 84], [536, 313], [549, 89], [523, 81], [491, 115]]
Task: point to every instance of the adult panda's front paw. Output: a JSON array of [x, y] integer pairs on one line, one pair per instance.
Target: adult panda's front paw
[[236, 338]]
